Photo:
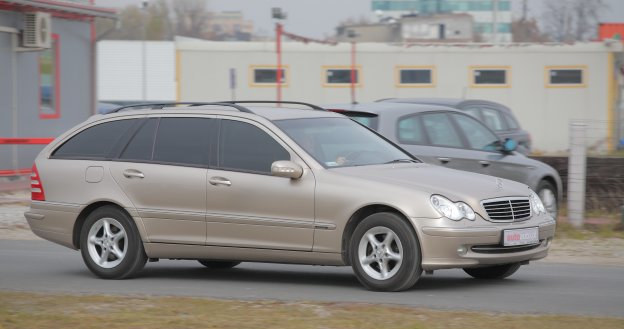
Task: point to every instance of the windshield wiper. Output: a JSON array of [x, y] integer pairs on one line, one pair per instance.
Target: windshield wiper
[[402, 160]]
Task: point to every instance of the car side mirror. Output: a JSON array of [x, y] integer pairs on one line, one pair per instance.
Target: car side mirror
[[509, 145], [287, 169]]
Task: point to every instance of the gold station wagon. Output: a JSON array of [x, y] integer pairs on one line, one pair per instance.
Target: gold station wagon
[[224, 183]]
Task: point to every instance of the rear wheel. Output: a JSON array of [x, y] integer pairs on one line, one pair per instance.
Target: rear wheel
[[110, 244], [218, 265], [384, 253], [493, 272], [547, 193]]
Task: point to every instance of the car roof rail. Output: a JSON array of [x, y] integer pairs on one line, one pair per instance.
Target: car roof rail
[[312, 106], [159, 106]]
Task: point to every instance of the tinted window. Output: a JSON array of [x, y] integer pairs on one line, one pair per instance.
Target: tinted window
[[478, 136], [410, 131], [248, 148], [493, 119], [371, 122], [94, 142], [566, 76], [415, 76], [341, 76], [440, 130], [142, 144], [496, 77], [183, 140]]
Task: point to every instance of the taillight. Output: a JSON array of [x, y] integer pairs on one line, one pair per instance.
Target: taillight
[[36, 188]]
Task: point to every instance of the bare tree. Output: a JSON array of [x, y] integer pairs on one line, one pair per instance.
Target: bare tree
[[572, 20], [527, 30], [191, 17]]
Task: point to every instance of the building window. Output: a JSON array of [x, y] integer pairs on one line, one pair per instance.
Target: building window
[[573, 76], [415, 76], [339, 76], [489, 77], [49, 81], [267, 75]]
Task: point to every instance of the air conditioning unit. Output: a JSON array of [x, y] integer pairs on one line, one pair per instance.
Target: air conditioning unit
[[37, 30]]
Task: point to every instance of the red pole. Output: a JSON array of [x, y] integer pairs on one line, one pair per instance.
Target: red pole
[[353, 101], [278, 46]]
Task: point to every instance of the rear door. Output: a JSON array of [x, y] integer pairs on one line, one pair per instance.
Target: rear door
[[163, 171], [247, 206]]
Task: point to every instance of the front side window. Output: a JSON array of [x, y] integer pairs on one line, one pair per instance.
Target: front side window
[[495, 77], [410, 131], [95, 142], [493, 119], [478, 136], [245, 147], [340, 142], [49, 81], [440, 130], [511, 122]]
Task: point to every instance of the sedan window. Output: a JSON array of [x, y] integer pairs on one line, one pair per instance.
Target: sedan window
[[493, 119], [441, 131], [478, 136], [410, 131]]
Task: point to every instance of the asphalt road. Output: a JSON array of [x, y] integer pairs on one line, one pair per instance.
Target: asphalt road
[[537, 288]]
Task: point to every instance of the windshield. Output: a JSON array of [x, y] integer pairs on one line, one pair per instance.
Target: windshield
[[340, 142]]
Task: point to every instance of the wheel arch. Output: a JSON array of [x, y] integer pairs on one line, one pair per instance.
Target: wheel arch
[[554, 183], [86, 211], [359, 215]]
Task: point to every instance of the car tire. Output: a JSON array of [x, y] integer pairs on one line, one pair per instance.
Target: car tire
[[217, 265], [548, 194], [384, 253], [111, 245], [493, 272]]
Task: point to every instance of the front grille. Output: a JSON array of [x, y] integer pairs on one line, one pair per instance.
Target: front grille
[[498, 249], [508, 209]]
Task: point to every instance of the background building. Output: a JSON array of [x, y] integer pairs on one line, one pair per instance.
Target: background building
[[46, 73], [547, 86], [486, 13]]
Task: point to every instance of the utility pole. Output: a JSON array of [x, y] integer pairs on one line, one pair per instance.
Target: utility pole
[[278, 15], [352, 35], [494, 21], [144, 54]]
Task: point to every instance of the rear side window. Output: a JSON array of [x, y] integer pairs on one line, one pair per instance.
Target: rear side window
[[245, 147], [141, 147], [493, 119], [183, 141], [410, 131], [95, 142]]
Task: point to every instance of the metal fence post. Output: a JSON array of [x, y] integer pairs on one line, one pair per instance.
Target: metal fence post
[[576, 174]]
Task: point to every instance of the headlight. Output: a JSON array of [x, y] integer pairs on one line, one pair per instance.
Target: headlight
[[536, 204], [452, 210]]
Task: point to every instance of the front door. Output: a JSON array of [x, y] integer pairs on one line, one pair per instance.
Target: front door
[[246, 205]]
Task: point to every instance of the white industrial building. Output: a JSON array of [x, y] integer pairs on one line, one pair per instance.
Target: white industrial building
[[546, 85]]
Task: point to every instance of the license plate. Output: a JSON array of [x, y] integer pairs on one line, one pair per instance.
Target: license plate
[[520, 237]]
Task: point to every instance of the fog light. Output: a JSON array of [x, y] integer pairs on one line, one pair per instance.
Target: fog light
[[462, 250]]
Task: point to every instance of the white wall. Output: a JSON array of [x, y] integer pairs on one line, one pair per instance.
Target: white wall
[[544, 112], [120, 71]]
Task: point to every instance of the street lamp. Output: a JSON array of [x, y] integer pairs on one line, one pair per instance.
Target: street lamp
[[278, 15]]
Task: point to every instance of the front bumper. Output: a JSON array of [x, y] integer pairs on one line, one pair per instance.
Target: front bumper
[[480, 243]]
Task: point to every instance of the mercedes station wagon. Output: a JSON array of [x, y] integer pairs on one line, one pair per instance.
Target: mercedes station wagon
[[225, 183]]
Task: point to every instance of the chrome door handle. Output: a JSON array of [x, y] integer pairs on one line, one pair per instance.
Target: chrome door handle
[[219, 181], [484, 163], [445, 160], [132, 173]]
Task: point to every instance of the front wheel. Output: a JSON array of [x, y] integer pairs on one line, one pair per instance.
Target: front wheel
[[547, 193], [493, 272], [384, 253], [110, 244]]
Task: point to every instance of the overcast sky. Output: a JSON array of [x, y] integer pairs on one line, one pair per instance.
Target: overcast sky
[[317, 18]]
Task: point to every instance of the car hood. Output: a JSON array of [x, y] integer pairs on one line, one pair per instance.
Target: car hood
[[454, 184]]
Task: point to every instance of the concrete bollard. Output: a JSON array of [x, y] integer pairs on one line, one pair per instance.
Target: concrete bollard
[[576, 174]]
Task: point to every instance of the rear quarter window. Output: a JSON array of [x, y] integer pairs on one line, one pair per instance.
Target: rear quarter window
[[95, 142]]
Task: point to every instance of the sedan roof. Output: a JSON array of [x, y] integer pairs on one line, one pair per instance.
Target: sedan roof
[[450, 102], [388, 107]]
